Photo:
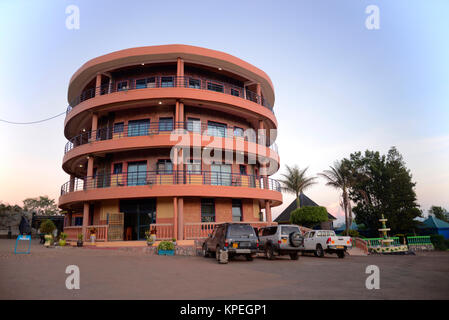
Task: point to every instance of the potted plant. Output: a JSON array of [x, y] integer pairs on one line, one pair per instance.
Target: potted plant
[[47, 227], [79, 243], [174, 241], [166, 248], [62, 238], [150, 239], [93, 235]]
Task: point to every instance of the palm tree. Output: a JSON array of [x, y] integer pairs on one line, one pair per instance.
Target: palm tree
[[339, 177], [295, 181]]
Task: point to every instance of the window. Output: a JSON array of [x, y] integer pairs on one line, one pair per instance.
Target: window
[[235, 92], [165, 124], [194, 125], [214, 87], [242, 169], [141, 83], [166, 82], [122, 85], [286, 230], [194, 83], [220, 175], [207, 210], [77, 221], [138, 127], [238, 132], [194, 167], [238, 230], [164, 167], [118, 127], [216, 129], [118, 167], [137, 173], [236, 210]]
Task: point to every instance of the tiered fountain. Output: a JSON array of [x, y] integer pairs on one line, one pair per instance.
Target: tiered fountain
[[386, 243]]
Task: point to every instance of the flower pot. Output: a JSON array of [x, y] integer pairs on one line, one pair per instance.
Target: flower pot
[[62, 242], [79, 243], [150, 243], [93, 237], [48, 239]]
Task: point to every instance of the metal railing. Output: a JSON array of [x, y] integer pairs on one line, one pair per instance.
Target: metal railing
[[419, 240], [169, 81], [183, 177], [157, 128]]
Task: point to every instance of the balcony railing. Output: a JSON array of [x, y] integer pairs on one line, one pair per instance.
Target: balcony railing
[[157, 128], [151, 82], [178, 177]]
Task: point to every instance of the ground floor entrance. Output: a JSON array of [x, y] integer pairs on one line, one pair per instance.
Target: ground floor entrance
[[139, 214]]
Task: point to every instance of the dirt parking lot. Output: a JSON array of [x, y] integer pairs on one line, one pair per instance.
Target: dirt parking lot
[[116, 274]]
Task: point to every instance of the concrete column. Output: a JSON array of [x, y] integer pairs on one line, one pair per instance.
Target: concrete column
[[259, 93], [98, 84], [90, 172], [267, 211], [181, 218], [85, 219], [72, 183], [175, 218], [181, 112], [180, 72]]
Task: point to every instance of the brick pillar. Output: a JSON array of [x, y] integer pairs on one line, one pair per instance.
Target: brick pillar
[[98, 84], [267, 211]]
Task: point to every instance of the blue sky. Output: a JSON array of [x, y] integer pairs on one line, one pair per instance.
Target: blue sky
[[339, 86]]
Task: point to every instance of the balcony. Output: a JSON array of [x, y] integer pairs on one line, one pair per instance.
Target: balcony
[[151, 82], [158, 128], [165, 178]]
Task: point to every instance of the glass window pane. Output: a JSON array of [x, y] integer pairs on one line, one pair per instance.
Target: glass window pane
[[165, 124], [166, 81]]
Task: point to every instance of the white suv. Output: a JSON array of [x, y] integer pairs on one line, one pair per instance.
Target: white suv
[[280, 240]]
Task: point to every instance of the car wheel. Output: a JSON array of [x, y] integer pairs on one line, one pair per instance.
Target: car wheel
[[319, 252], [206, 253], [249, 257], [269, 253], [294, 256], [341, 254]]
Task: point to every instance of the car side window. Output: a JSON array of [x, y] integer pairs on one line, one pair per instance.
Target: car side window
[[218, 232], [311, 234]]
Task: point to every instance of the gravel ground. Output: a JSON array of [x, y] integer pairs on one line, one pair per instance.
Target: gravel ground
[[117, 274]]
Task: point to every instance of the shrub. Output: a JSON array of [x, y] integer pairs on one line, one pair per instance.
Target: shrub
[[351, 233], [80, 236], [63, 236], [438, 242], [166, 245], [47, 226], [308, 216]]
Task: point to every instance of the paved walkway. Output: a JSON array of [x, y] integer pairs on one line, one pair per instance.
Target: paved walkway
[[116, 274]]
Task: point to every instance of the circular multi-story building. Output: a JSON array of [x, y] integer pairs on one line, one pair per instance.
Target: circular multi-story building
[[172, 139]]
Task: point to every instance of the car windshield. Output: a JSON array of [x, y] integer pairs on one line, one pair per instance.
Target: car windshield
[[241, 230], [289, 229]]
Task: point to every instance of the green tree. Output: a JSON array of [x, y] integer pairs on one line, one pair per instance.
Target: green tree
[[308, 216], [295, 181], [339, 177], [439, 213], [381, 184], [41, 205]]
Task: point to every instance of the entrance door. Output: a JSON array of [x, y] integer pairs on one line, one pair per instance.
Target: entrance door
[[139, 215], [220, 174]]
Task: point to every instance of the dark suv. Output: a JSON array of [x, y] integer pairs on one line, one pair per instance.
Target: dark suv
[[231, 239]]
